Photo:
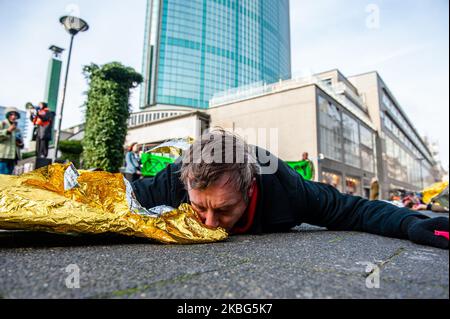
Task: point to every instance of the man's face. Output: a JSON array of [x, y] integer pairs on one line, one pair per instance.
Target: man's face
[[219, 205], [12, 117], [305, 156]]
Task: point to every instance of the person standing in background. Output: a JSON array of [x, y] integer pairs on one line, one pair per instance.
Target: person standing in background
[[132, 170], [11, 141], [43, 121], [307, 167], [374, 189]]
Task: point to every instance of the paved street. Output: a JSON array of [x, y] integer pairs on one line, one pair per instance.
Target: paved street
[[305, 263]]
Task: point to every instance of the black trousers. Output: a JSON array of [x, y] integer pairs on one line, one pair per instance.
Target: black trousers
[[42, 147]]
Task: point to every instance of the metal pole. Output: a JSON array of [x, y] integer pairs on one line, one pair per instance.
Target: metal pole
[[58, 131]]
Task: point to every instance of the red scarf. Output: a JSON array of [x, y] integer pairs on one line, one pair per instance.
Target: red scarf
[[247, 219]]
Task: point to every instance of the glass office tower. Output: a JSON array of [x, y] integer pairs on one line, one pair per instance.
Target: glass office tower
[[194, 49]]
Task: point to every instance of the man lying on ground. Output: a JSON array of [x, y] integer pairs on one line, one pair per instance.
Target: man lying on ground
[[246, 189]]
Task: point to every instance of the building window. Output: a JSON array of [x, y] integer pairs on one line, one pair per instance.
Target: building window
[[330, 130], [366, 137], [328, 82], [400, 164], [367, 159], [399, 118], [367, 149], [332, 179], [353, 186], [351, 141], [200, 53]]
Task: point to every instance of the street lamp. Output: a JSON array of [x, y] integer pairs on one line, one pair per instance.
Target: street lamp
[[73, 25], [56, 51]]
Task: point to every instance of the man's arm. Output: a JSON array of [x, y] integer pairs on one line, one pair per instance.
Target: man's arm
[[433, 207], [164, 189], [327, 207], [438, 209], [5, 132]]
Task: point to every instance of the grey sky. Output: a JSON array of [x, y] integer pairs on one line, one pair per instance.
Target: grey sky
[[409, 49]]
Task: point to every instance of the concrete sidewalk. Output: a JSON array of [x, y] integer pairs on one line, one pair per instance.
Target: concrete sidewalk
[[305, 263]]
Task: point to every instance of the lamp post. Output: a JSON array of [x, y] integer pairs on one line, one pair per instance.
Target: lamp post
[[73, 25], [56, 51]]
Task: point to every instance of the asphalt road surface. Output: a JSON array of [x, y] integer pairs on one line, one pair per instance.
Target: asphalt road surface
[[307, 262]]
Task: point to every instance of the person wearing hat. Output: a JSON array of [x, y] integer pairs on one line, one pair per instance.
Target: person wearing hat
[[10, 141]]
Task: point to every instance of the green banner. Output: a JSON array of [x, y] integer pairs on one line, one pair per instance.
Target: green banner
[[153, 164], [52, 87], [304, 168]]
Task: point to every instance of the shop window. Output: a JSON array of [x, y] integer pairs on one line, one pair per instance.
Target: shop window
[[332, 179], [353, 186]]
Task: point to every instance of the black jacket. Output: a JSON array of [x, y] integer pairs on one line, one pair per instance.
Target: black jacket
[[286, 200], [45, 132]]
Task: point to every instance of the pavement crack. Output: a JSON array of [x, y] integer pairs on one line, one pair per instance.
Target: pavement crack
[[163, 282], [397, 253], [141, 288], [383, 263], [340, 238]]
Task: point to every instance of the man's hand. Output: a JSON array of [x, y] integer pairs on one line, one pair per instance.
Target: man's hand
[[421, 231], [12, 128], [419, 207]]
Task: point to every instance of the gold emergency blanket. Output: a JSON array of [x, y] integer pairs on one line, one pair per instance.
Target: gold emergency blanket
[[60, 199], [173, 147]]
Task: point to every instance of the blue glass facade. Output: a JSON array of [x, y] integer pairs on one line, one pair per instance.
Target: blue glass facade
[[194, 49]]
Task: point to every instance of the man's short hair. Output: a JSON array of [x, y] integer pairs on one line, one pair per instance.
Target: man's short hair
[[215, 154]]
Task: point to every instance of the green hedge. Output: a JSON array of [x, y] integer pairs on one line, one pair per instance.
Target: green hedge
[[28, 155], [71, 151], [72, 147], [107, 113]]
